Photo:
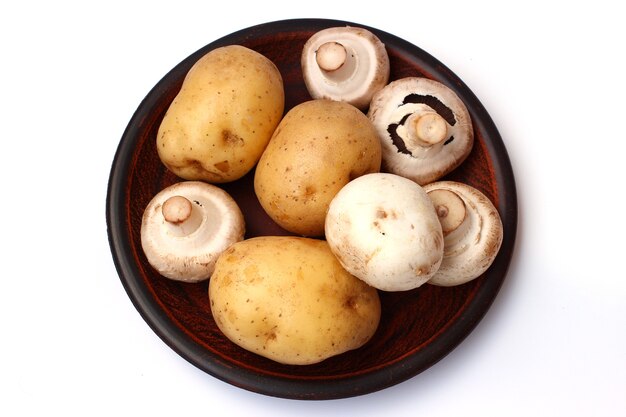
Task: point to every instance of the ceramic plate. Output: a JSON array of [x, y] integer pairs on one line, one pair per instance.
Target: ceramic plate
[[418, 327]]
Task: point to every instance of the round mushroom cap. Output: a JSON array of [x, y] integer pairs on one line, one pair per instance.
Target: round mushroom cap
[[384, 230], [186, 226], [472, 231], [424, 128], [345, 64]]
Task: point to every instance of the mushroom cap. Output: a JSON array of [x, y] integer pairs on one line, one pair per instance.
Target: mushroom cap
[[187, 250], [384, 230], [392, 110], [365, 70], [471, 249]]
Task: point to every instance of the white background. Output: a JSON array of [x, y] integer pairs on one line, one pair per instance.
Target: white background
[[551, 76]]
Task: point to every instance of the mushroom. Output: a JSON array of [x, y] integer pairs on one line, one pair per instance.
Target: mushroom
[[384, 230], [472, 231], [424, 128], [345, 64], [186, 226]]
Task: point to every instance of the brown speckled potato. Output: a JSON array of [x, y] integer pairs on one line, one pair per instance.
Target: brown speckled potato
[[318, 147], [225, 113], [288, 299]]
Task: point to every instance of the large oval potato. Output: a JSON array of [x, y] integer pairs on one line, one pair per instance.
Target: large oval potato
[[288, 299], [225, 113], [318, 147]]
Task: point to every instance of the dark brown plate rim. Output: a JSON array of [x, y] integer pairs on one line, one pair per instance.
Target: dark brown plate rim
[[161, 324]]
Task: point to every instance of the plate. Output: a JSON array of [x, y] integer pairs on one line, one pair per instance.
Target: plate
[[418, 327]]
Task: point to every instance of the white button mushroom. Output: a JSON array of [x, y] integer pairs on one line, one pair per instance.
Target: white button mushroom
[[472, 231], [424, 128], [384, 230], [186, 226], [345, 64]]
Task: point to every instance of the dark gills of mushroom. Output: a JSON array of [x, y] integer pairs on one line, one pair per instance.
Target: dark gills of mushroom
[[345, 64], [424, 128]]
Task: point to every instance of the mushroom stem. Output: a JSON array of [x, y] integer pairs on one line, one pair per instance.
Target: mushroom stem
[[337, 63], [331, 56], [176, 209], [181, 215], [427, 129], [450, 209]]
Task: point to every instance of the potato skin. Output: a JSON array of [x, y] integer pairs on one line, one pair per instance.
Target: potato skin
[[318, 147], [288, 299], [223, 117]]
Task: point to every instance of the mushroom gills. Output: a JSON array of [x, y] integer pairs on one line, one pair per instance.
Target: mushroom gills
[[434, 103], [423, 123]]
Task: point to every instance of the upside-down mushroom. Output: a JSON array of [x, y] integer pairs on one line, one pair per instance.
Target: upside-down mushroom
[[472, 231], [345, 64], [384, 230], [186, 226], [424, 128]]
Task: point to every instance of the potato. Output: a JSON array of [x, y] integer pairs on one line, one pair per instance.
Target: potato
[[288, 299], [318, 147], [225, 113]]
